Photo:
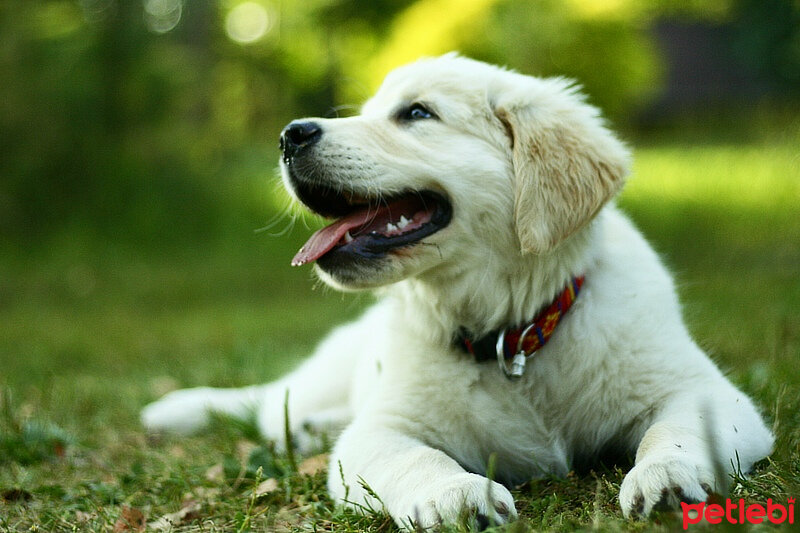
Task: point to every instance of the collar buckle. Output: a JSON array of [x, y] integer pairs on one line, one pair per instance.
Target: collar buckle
[[520, 358]]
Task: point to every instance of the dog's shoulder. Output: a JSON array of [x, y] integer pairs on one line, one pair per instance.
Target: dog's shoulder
[[627, 266]]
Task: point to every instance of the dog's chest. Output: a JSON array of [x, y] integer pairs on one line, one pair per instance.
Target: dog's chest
[[472, 412], [516, 424]]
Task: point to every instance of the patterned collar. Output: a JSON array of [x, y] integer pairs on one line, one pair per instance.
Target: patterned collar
[[517, 344]]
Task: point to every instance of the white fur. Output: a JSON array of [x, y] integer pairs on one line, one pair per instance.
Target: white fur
[[420, 418]]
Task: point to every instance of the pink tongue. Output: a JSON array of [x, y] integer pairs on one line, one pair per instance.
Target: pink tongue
[[323, 240]]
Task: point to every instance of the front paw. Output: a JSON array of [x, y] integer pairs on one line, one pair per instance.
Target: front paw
[[182, 411], [455, 498], [661, 483]]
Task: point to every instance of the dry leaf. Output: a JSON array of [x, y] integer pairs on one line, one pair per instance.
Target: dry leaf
[[83, 516], [313, 465], [189, 511], [243, 449], [177, 451], [130, 519], [216, 474], [59, 450], [208, 494], [266, 486]]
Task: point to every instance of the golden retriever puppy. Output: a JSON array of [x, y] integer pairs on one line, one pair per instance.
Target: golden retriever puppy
[[520, 314]]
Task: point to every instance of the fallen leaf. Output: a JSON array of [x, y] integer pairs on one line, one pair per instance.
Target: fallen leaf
[[216, 474], [83, 516], [208, 494], [313, 465], [59, 450], [266, 486], [130, 519], [244, 448], [177, 451], [288, 519], [190, 510]]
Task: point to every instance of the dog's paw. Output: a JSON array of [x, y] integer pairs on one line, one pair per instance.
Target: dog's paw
[[182, 411], [661, 483], [461, 497]]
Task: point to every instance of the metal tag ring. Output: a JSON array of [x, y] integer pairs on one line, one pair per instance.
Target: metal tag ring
[[518, 363]]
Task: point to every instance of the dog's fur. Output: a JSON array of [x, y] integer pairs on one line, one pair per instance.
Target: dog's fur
[[531, 171]]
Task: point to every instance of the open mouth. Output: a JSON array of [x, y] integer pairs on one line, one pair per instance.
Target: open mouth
[[369, 227]]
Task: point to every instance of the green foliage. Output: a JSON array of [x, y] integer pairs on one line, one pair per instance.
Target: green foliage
[[613, 57], [117, 127], [767, 38], [126, 133]]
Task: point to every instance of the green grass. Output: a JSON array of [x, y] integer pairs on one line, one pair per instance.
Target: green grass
[[90, 332]]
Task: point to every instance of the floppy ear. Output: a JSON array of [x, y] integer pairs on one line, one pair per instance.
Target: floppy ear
[[567, 164]]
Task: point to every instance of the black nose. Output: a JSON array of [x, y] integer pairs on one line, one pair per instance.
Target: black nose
[[297, 135]]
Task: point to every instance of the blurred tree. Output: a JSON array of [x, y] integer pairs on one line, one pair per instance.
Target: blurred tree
[[157, 120], [606, 49], [767, 38], [89, 105]]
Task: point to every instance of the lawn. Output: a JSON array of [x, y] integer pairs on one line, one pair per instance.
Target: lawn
[[91, 331]]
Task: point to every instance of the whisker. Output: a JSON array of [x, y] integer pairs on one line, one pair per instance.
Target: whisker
[[276, 218], [289, 227], [343, 107], [305, 218], [291, 218], [482, 280]]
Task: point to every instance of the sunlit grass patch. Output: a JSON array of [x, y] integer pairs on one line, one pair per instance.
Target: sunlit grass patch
[[727, 177]]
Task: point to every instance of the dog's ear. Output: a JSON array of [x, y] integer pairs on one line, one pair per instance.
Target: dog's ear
[[567, 164]]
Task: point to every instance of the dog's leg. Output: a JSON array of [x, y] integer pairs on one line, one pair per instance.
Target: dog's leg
[[186, 411], [318, 396], [419, 486], [692, 448]]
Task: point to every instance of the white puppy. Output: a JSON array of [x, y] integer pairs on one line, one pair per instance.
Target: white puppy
[[478, 200]]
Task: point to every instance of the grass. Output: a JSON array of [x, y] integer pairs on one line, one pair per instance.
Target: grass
[[90, 332]]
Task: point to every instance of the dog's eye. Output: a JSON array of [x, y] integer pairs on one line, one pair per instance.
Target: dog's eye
[[416, 112]]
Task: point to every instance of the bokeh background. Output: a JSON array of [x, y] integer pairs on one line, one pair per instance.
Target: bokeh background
[[145, 239], [155, 122]]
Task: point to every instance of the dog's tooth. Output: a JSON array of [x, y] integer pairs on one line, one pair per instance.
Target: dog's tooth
[[403, 222], [348, 237], [391, 227]]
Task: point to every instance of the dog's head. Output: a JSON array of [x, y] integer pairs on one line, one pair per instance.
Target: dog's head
[[451, 158]]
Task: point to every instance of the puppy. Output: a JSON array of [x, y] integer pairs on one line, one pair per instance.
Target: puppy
[[521, 315]]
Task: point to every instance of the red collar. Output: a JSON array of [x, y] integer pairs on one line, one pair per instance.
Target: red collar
[[517, 344]]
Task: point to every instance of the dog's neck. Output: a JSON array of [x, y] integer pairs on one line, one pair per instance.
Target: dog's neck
[[508, 291]]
